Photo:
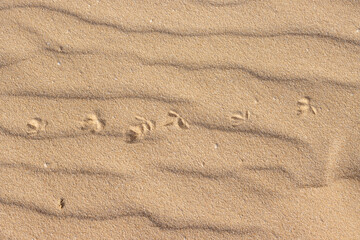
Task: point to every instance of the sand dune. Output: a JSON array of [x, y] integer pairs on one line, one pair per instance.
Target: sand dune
[[263, 141]]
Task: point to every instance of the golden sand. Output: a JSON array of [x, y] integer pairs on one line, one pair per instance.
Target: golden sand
[[169, 119]]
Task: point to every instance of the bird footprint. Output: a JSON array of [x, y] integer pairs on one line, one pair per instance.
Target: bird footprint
[[304, 106], [177, 121], [138, 132], [239, 117], [35, 126], [92, 123]]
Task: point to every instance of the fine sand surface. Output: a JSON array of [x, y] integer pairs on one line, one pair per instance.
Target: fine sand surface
[[263, 141]]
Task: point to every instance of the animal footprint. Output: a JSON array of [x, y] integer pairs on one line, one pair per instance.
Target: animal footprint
[[239, 117], [36, 126], [177, 120], [92, 123], [304, 106], [138, 132]]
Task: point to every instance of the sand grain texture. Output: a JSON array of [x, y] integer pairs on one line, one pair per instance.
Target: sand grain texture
[[262, 141]]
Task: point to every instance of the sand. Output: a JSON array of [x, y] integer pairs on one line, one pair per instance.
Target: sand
[[169, 119]]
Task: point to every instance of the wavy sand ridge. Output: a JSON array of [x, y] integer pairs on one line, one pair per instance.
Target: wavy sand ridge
[[261, 143]]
